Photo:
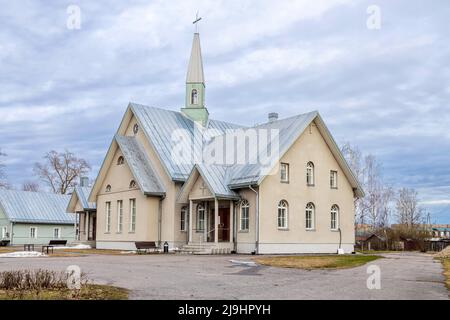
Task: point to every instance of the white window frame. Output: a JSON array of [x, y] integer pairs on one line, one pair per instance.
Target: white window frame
[[333, 179], [34, 236], [59, 233], [183, 219], [5, 232], [119, 216], [310, 216], [244, 224], [132, 215], [284, 170], [310, 174], [108, 217], [334, 214], [283, 215], [201, 222]]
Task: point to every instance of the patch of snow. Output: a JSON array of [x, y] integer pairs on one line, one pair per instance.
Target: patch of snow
[[22, 254], [244, 263], [78, 246], [128, 252]]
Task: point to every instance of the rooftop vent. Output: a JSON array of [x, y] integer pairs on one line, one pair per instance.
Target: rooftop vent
[[273, 116], [84, 182]]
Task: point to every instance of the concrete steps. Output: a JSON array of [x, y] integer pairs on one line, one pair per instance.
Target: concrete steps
[[89, 243], [203, 249]]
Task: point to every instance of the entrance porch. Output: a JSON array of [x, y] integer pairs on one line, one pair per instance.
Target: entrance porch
[[86, 224], [211, 224]]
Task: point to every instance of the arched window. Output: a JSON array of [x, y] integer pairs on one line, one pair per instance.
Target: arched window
[[133, 184], [183, 218], [108, 188], [245, 215], [310, 216], [200, 217], [283, 214], [310, 174], [334, 217], [135, 128], [194, 96], [120, 161]]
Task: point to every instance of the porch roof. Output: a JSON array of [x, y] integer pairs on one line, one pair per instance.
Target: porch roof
[[215, 177]]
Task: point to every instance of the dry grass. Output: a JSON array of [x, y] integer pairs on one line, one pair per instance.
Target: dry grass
[[88, 292], [43, 284], [446, 264], [317, 262]]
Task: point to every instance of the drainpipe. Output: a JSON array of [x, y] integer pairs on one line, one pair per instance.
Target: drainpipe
[[159, 221], [11, 233], [235, 225], [257, 219]]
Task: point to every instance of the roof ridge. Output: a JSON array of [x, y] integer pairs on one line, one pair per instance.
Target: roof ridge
[[36, 192]]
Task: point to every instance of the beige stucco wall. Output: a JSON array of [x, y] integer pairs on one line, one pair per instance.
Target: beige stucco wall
[[309, 147], [171, 211], [119, 177], [246, 239]]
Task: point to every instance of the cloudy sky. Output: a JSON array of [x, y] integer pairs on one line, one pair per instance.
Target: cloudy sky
[[385, 90]]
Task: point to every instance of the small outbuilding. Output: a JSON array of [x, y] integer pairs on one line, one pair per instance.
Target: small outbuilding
[[34, 218]]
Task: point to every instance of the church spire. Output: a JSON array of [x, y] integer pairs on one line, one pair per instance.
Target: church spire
[[195, 84], [195, 70]]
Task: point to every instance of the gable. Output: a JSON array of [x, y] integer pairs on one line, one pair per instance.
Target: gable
[[200, 189], [311, 146]]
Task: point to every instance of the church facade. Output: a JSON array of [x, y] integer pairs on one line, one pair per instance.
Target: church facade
[[301, 201]]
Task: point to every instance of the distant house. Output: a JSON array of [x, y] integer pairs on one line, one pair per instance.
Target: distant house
[[370, 241], [441, 231], [34, 217]]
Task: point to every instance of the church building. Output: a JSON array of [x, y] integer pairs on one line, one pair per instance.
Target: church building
[[302, 201]]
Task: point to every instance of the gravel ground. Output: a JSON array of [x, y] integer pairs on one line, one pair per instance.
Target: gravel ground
[[403, 276]]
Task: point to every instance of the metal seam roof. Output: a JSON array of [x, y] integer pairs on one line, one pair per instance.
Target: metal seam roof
[[160, 124], [35, 207], [140, 165]]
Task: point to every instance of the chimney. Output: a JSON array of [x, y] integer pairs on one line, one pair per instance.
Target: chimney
[[273, 116], [84, 182]]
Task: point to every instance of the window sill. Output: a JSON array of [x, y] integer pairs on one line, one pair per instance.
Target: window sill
[[286, 182], [334, 230], [131, 232], [244, 231], [310, 230], [283, 229], [107, 232], [183, 231], [333, 188], [310, 185], [200, 231], [119, 232]]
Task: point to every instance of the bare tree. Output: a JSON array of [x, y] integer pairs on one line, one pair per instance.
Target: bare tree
[[354, 158], [31, 186], [60, 171], [374, 208], [408, 212], [3, 182]]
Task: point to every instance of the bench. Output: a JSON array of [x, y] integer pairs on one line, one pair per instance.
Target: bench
[[52, 244], [4, 243], [144, 246]]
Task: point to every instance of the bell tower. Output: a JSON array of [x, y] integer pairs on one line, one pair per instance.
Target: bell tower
[[195, 85]]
